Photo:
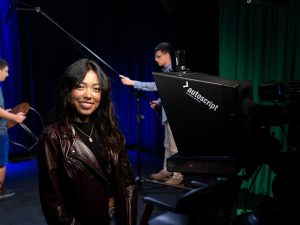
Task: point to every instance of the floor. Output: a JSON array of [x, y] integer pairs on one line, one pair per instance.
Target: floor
[[24, 207]]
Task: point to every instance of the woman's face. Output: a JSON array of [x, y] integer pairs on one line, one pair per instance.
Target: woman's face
[[86, 97]]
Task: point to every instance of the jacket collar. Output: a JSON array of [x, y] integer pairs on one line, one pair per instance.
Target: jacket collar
[[74, 147]]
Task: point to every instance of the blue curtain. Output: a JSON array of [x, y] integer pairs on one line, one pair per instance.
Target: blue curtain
[[124, 36], [10, 51]]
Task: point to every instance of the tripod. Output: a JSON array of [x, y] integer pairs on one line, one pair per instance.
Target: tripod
[[138, 179]]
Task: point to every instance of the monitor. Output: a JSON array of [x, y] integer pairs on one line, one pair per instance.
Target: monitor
[[202, 110]]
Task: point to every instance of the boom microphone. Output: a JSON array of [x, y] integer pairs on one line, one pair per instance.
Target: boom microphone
[[11, 8]]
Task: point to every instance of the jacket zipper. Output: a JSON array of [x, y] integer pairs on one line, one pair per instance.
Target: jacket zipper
[[76, 160]]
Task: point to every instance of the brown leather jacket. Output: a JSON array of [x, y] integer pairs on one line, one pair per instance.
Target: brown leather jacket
[[73, 189]]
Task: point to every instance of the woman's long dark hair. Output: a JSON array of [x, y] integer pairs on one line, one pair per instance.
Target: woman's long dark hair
[[109, 135]]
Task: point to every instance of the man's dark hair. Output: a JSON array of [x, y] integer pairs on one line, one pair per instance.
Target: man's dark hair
[[164, 47], [3, 64]]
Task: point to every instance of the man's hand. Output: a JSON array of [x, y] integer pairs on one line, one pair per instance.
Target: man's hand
[[153, 104], [125, 80], [19, 117]]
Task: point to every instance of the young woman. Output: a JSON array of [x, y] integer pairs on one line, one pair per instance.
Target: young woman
[[85, 176]]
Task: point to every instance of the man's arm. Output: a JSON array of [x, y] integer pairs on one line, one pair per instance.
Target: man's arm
[[126, 80], [6, 114], [145, 86]]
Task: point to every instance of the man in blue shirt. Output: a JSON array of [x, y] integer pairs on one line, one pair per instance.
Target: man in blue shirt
[[163, 59], [5, 115]]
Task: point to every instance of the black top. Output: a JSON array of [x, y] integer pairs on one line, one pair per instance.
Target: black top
[[94, 146]]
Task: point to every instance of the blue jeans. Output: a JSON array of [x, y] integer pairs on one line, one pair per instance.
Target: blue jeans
[[4, 145]]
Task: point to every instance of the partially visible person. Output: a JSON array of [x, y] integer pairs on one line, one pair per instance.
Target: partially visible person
[[85, 176], [163, 59], [5, 115]]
